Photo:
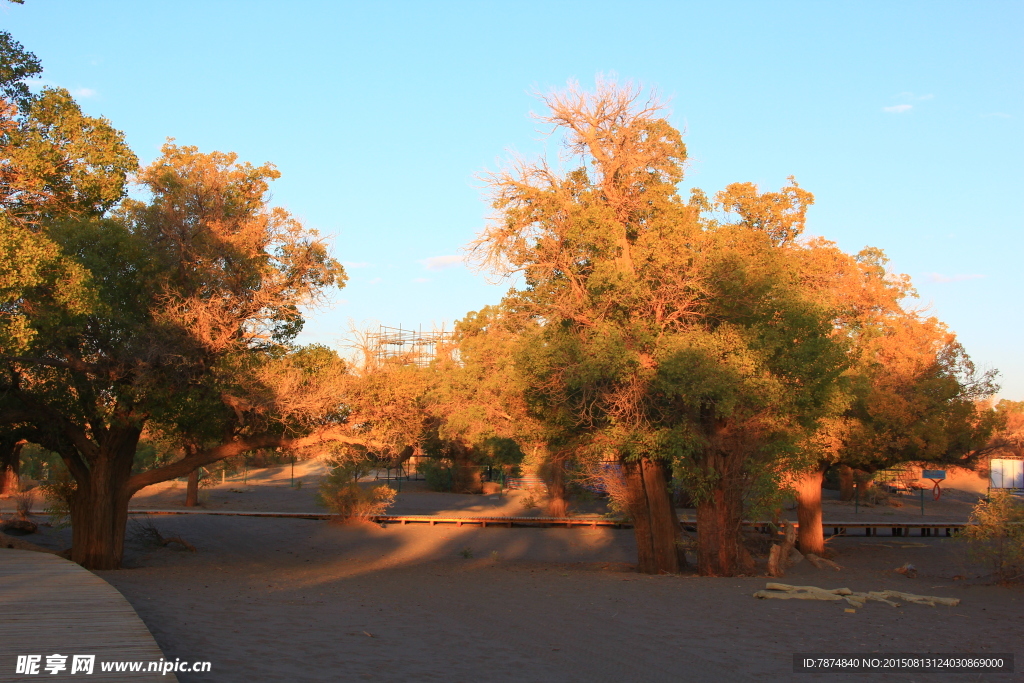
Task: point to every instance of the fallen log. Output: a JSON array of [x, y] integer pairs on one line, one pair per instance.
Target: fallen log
[[782, 591]]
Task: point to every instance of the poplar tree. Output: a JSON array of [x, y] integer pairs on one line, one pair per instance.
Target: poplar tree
[[667, 338], [176, 314]]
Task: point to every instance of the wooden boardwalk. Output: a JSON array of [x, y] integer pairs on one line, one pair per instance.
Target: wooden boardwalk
[[834, 528], [49, 606]]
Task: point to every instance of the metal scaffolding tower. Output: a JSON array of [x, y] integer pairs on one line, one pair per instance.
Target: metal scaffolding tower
[[412, 347]]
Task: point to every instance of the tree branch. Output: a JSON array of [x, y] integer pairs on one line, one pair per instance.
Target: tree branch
[[180, 468]]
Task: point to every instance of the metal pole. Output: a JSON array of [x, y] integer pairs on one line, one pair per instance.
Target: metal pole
[[856, 495], [922, 501], [293, 471]]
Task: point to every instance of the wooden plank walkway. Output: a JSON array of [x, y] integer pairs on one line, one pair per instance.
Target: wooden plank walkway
[[49, 605], [837, 528]]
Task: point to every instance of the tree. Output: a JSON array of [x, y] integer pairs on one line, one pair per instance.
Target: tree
[[664, 336], [56, 162], [178, 314], [1008, 441], [478, 398], [16, 64], [911, 391]]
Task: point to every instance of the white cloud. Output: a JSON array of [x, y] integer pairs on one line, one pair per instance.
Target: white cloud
[[939, 277], [83, 92], [421, 280], [442, 262], [375, 281], [898, 109], [356, 264], [996, 115]]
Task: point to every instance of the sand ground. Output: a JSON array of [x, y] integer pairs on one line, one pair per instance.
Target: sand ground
[[268, 599]]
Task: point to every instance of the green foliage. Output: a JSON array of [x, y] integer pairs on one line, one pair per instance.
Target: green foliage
[[16, 65], [60, 163], [436, 473], [33, 269], [38, 463], [996, 536], [341, 493]]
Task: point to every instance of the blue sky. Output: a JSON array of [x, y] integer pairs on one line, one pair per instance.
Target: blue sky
[[903, 118]]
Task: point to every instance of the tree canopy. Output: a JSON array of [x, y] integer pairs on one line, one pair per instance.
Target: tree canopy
[[177, 313]]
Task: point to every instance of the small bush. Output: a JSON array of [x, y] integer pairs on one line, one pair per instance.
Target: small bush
[[341, 493], [59, 491], [996, 538], [23, 501]]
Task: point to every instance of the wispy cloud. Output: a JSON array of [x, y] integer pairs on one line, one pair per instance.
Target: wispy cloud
[[356, 264], [996, 115], [421, 280], [441, 262], [898, 108], [375, 281], [83, 92], [939, 277]]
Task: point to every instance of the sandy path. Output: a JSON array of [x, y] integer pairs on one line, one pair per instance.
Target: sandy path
[[292, 600], [268, 599]]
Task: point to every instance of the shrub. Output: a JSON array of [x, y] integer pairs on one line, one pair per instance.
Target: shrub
[[341, 493], [23, 501], [59, 491], [996, 537]]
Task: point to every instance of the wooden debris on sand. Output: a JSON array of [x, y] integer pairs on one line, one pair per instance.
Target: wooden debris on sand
[[821, 562], [782, 591]]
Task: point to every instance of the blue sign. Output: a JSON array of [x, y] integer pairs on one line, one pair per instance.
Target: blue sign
[[933, 474]]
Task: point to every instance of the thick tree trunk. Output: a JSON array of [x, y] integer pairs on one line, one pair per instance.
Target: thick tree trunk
[[10, 465], [465, 473], [654, 520], [720, 549], [718, 534], [811, 537], [99, 507], [846, 488], [192, 492]]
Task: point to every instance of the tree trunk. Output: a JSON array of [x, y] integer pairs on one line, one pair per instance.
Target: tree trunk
[[719, 520], [846, 489], [554, 477], [192, 492], [10, 465], [99, 507], [811, 536], [718, 534], [465, 473], [655, 524]]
